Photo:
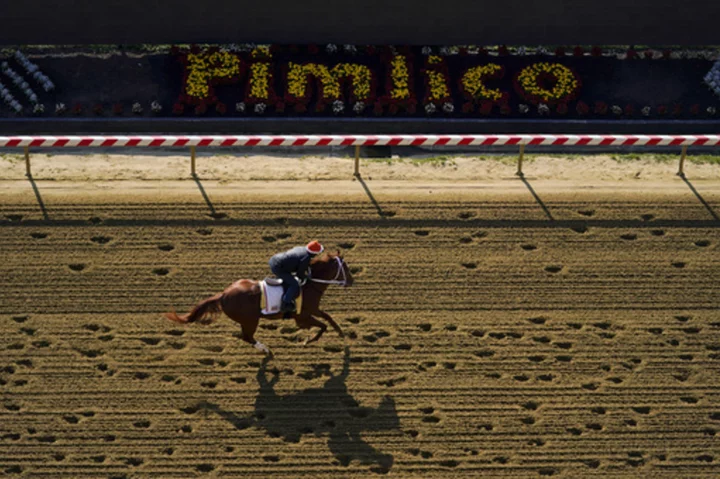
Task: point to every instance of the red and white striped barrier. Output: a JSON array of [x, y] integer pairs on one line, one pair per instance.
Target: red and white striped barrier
[[193, 141], [356, 140]]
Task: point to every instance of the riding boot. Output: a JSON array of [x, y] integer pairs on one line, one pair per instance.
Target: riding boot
[[288, 309]]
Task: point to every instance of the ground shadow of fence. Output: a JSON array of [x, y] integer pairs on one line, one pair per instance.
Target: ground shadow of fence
[[329, 409]]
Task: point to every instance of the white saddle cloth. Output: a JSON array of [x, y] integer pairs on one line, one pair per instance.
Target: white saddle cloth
[[271, 297]]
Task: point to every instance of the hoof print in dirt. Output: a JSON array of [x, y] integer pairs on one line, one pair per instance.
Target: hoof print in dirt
[[101, 239]]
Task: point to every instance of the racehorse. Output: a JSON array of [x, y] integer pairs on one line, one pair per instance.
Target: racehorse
[[241, 302]]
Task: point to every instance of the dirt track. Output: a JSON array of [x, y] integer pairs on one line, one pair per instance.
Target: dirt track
[[491, 332]]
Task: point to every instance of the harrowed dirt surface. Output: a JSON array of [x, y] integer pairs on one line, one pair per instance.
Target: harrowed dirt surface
[[496, 328]]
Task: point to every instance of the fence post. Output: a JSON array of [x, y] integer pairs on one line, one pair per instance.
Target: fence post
[[681, 171], [520, 160], [28, 173], [357, 161], [192, 161]]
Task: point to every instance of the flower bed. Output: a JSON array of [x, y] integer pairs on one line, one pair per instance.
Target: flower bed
[[451, 82], [352, 81]]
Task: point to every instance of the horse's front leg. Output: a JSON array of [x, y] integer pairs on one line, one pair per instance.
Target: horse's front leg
[[307, 322], [332, 322]]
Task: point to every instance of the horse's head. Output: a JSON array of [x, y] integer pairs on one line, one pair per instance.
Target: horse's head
[[331, 268]]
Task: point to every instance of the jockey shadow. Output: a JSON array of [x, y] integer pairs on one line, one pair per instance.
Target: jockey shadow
[[329, 409]]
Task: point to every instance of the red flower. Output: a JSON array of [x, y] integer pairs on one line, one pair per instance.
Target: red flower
[[648, 54], [463, 51], [596, 51], [467, 107], [378, 108], [629, 110], [503, 51], [77, 109], [695, 110], [601, 108], [221, 108], [117, 109], [178, 108], [313, 49], [505, 109], [561, 109], [485, 107], [559, 52], [370, 50], [482, 51], [677, 109], [582, 108], [578, 51], [411, 108], [666, 54], [201, 109], [393, 109], [662, 110], [98, 109], [631, 54], [300, 108], [280, 107]]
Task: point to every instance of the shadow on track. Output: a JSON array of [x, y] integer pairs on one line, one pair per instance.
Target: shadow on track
[[699, 197], [537, 198], [329, 409], [213, 213], [372, 198], [39, 198]]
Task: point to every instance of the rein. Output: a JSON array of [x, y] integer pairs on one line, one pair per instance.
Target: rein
[[335, 280]]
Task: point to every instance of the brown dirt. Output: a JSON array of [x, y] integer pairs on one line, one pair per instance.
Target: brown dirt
[[495, 329]]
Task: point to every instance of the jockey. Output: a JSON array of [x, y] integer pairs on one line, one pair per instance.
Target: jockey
[[294, 261]]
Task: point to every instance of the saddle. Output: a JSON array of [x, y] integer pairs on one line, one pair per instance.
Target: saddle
[[271, 292]]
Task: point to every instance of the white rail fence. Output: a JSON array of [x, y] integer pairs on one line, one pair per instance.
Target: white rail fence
[[210, 141]]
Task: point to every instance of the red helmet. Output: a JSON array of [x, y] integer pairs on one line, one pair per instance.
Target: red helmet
[[314, 247]]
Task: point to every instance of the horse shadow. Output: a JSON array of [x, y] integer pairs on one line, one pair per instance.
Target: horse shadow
[[329, 409]]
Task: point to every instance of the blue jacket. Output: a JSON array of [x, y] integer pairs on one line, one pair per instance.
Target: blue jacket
[[296, 260]]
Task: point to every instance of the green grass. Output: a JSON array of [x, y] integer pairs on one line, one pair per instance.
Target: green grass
[[667, 158]]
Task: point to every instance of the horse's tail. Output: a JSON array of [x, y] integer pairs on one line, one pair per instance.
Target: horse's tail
[[205, 311]]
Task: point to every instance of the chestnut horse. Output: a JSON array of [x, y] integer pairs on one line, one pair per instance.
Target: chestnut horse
[[241, 301]]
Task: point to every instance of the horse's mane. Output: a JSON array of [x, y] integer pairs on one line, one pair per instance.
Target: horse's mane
[[323, 259]]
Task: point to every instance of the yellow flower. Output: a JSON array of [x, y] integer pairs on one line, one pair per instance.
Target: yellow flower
[[565, 85], [472, 82], [297, 79], [437, 80], [400, 78], [260, 77], [261, 51], [204, 67]]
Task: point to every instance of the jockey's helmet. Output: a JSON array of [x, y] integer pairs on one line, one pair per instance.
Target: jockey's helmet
[[314, 247]]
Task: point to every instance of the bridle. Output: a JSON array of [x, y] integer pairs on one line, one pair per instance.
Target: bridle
[[335, 280]]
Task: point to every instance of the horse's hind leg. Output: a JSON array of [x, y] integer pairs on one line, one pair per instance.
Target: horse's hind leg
[[310, 322], [249, 337]]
